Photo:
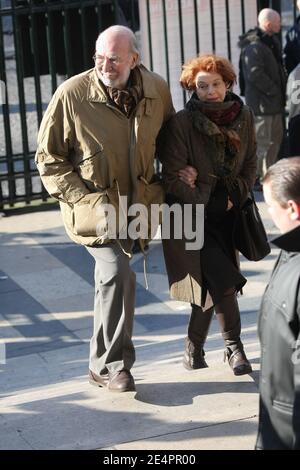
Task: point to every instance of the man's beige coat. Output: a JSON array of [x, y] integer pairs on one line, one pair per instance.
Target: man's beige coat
[[89, 153]]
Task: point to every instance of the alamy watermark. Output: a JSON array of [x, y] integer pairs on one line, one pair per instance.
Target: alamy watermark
[[2, 93], [178, 221]]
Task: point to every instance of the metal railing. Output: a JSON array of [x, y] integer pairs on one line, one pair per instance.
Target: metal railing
[[42, 42]]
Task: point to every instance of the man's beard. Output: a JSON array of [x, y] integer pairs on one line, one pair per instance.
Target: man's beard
[[119, 82]]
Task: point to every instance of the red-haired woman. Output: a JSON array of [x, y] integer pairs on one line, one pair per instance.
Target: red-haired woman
[[208, 152]]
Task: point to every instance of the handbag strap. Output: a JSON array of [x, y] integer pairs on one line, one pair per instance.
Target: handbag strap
[[255, 208]]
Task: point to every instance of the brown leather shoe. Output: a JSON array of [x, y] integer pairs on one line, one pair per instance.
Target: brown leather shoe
[[238, 361], [98, 380], [193, 357], [121, 381]]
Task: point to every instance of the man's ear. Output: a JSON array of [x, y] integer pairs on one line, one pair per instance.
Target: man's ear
[[135, 60], [294, 210], [268, 26]]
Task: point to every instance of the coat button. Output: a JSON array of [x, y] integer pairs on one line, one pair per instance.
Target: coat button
[[283, 304]]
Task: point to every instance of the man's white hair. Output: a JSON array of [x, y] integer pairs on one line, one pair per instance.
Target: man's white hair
[[120, 30], [267, 14]]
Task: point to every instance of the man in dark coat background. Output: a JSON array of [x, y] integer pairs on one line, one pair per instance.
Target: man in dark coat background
[[292, 46], [279, 319], [264, 79]]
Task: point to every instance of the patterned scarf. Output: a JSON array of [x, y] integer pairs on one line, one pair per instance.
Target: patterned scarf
[[127, 99], [225, 145]]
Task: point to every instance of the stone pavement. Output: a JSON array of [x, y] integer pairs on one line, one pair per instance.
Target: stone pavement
[[46, 402]]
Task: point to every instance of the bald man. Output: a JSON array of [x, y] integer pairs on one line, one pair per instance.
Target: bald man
[[265, 83], [96, 148]]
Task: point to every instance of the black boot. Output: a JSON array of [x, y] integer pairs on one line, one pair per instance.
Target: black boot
[[228, 315], [237, 360], [197, 332], [193, 357]]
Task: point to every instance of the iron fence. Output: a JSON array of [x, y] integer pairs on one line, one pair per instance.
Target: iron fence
[[42, 42]]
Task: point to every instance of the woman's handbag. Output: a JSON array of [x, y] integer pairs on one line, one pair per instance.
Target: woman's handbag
[[249, 235]]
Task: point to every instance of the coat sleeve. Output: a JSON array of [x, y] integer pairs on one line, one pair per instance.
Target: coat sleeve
[[174, 155], [247, 175], [254, 71], [55, 143]]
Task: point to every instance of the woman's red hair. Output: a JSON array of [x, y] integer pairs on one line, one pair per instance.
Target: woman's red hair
[[207, 63]]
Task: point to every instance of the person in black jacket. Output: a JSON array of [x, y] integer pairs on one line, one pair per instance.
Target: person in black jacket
[[264, 82], [279, 319], [293, 98], [292, 46]]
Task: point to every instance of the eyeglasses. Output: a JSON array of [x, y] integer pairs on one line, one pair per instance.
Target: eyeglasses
[[115, 60]]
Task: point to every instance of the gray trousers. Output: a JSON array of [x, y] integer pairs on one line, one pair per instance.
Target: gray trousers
[[269, 134], [111, 347]]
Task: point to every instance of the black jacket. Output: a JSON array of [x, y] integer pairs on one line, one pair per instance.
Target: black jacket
[[279, 334], [294, 132], [262, 72], [292, 47]]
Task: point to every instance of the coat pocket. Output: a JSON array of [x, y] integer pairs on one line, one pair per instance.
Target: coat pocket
[[90, 216], [94, 171], [150, 193]]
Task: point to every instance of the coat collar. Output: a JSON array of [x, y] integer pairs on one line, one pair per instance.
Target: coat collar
[[96, 90], [289, 241]]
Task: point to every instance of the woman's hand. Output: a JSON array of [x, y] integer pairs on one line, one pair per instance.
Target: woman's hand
[[188, 175], [229, 205]]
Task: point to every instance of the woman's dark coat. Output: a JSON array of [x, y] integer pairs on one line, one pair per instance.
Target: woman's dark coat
[[190, 138]]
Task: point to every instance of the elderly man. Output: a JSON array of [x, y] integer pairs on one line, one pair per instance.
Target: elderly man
[[96, 146], [265, 82], [279, 320]]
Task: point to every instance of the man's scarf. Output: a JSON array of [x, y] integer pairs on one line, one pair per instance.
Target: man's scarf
[[126, 100]]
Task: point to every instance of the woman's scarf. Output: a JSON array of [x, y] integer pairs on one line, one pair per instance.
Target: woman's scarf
[[222, 115]]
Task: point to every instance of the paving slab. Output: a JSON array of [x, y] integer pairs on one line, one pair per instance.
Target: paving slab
[[46, 402]]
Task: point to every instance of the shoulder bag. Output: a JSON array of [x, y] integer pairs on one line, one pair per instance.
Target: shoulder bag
[[249, 233]]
